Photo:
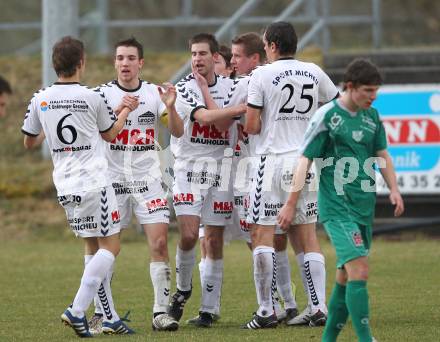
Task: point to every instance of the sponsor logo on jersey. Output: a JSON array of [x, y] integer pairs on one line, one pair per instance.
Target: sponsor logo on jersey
[[357, 135], [312, 209], [43, 106], [181, 199], [357, 239], [146, 118], [72, 149], [70, 105], [116, 217], [272, 209], [157, 204], [222, 207], [244, 226], [335, 121], [134, 137], [208, 135], [132, 187], [83, 223], [203, 177]]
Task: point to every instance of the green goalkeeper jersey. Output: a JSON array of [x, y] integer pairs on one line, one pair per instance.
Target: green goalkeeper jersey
[[346, 145]]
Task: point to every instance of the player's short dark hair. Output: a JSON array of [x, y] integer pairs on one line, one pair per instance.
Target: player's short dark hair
[[205, 38], [67, 55], [226, 53], [5, 87], [283, 35], [134, 43], [252, 43], [362, 71]]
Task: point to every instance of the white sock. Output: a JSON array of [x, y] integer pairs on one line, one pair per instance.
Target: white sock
[[300, 261], [202, 270], [94, 274], [212, 285], [185, 261], [265, 278], [97, 303], [283, 280], [106, 299], [314, 265], [160, 274]]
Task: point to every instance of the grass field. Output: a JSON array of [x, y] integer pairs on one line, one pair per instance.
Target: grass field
[[39, 279]]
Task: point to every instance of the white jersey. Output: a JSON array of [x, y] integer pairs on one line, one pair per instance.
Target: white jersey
[[72, 116], [288, 91], [133, 153], [200, 140], [237, 95]]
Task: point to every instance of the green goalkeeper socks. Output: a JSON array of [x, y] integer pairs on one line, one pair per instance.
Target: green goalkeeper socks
[[357, 303], [337, 314]]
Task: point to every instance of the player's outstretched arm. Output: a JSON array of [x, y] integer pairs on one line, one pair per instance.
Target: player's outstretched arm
[[117, 126], [168, 96], [31, 142], [389, 175], [216, 116], [288, 210]]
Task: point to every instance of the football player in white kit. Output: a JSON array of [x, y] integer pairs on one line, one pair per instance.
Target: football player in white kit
[[282, 97], [247, 54], [134, 169], [202, 190], [75, 119]]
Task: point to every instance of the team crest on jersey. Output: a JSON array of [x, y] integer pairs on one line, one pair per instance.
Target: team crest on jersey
[[146, 118], [357, 239], [357, 135], [335, 121], [43, 106]]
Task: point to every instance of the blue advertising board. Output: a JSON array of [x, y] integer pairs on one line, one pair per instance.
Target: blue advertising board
[[411, 117]]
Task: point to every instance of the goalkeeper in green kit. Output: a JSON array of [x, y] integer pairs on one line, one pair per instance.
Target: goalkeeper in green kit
[[346, 139]]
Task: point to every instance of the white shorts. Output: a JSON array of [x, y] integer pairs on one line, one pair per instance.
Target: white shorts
[[147, 201], [92, 213], [202, 193], [270, 190], [240, 229]]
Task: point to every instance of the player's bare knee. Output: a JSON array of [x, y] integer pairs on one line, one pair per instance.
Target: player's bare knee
[[188, 240], [159, 245]]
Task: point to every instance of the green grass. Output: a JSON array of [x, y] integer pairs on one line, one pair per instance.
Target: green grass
[[39, 279]]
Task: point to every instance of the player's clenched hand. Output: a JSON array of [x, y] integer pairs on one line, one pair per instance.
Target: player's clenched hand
[[286, 215], [130, 101], [397, 201], [167, 94]]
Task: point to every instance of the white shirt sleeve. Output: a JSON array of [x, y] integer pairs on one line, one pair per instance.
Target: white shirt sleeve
[[189, 99], [255, 90], [327, 89], [238, 93], [32, 124], [105, 117]]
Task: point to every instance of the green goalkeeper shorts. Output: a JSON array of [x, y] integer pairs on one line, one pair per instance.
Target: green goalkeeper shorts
[[350, 239]]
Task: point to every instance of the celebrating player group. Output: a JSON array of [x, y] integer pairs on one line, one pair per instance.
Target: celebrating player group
[[263, 144]]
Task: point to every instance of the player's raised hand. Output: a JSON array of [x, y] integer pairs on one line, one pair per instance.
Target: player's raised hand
[[201, 81], [167, 94], [286, 215], [397, 201]]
